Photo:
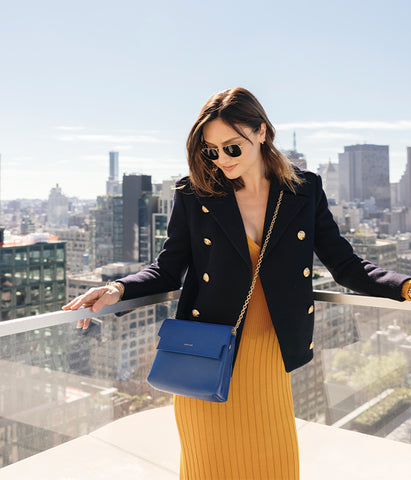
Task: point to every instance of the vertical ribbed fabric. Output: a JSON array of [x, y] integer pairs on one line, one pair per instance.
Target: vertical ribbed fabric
[[253, 435]]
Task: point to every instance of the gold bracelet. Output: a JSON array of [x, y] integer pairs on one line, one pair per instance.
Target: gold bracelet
[[120, 287]]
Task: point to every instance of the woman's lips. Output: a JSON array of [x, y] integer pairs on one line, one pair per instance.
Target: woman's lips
[[229, 168]]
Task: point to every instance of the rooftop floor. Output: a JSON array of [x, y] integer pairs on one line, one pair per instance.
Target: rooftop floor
[[146, 446]]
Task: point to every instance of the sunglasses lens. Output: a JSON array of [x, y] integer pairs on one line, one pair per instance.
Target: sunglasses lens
[[210, 153], [233, 150]]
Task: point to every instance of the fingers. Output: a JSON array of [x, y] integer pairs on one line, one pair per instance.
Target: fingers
[[85, 300], [84, 324], [95, 298]]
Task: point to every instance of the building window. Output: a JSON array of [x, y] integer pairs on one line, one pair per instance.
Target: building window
[[60, 254], [6, 257], [5, 298], [48, 293], [34, 275], [60, 273], [48, 254], [20, 276], [35, 256], [20, 296], [35, 294], [48, 275]]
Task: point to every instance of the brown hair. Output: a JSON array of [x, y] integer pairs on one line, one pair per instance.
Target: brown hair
[[237, 107]]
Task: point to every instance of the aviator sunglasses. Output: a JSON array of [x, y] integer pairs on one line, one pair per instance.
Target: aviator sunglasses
[[230, 150]]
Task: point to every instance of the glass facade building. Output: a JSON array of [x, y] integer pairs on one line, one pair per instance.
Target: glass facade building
[[33, 279]]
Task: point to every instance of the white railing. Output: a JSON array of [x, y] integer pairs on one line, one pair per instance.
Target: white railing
[[25, 324]]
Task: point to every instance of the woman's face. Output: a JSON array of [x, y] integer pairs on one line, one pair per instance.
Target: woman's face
[[218, 134]]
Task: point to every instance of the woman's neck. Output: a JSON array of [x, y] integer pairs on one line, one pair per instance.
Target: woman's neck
[[255, 185]]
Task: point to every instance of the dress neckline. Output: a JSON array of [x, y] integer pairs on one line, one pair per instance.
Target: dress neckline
[[250, 240]]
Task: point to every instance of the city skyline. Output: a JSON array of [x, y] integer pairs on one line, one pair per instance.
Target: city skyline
[[130, 78]]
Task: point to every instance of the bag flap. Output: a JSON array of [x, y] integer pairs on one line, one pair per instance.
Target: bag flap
[[194, 338]]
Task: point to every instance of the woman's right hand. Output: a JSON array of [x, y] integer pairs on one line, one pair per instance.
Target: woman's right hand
[[95, 299]]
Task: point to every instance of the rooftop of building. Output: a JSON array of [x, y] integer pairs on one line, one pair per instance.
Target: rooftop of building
[[11, 240]]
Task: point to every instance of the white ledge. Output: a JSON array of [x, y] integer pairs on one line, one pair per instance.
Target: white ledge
[[146, 446]]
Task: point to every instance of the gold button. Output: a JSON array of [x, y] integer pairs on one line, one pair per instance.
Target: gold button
[[195, 313], [311, 309], [206, 277], [301, 235], [207, 241], [306, 272], [311, 345], [205, 209]]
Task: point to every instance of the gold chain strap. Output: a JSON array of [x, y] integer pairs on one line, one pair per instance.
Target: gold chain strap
[[257, 269]]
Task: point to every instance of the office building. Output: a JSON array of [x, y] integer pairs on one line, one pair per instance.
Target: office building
[[329, 175], [364, 174], [381, 252], [139, 204], [404, 186], [106, 231], [77, 247], [160, 219], [32, 276], [57, 208]]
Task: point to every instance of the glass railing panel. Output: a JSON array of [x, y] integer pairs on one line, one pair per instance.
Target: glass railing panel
[[360, 378], [58, 383]]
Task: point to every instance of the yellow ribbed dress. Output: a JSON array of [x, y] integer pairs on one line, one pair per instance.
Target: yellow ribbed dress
[[252, 436]]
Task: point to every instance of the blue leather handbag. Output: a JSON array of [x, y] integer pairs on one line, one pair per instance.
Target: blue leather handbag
[[195, 359]]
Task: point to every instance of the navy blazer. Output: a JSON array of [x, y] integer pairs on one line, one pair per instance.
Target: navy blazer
[[206, 235]]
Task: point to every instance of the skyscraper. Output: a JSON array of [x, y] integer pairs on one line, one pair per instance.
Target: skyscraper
[[364, 173], [113, 165], [138, 206], [405, 183], [113, 186]]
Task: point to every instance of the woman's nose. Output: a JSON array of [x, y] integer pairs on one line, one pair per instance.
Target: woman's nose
[[224, 158]]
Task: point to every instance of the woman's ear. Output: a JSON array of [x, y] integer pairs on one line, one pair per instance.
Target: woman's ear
[[263, 131]]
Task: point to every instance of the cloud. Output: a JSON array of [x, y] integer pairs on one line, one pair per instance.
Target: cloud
[[122, 147], [348, 125], [110, 138], [327, 136], [69, 129]]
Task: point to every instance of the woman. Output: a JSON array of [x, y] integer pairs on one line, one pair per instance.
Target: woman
[[220, 217]]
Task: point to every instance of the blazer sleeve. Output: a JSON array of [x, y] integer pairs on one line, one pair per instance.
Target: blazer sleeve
[[347, 269], [167, 272]]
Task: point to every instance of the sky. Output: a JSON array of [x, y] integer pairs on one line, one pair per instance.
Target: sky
[[81, 78]]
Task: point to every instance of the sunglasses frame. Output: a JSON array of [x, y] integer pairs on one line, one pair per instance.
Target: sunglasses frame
[[224, 149]]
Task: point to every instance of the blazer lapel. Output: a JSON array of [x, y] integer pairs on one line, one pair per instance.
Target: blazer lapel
[[227, 214], [291, 204]]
